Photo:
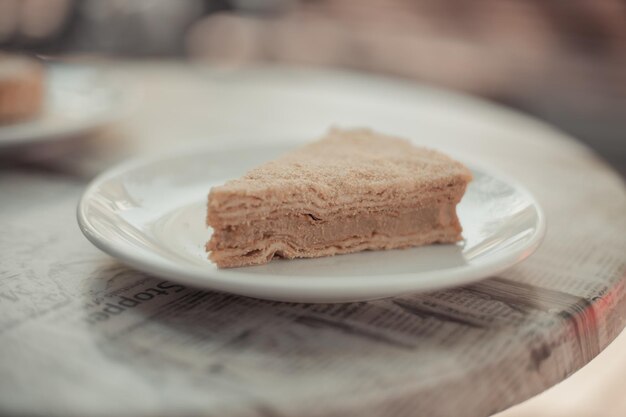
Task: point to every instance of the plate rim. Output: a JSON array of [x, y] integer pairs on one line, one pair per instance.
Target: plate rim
[[263, 286]]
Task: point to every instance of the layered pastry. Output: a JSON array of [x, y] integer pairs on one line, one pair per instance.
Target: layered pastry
[[349, 191], [21, 88]]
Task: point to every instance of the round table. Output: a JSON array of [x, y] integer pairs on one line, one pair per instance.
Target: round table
[[68, 348]]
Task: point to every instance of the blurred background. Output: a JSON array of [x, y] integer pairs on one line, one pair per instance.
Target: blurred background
[[561, 61]]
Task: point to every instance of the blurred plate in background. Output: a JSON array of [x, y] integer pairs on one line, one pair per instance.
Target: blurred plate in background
[[78, 99]]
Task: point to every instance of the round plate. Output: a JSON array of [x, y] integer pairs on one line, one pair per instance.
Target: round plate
[[77, 99], [151, 215]]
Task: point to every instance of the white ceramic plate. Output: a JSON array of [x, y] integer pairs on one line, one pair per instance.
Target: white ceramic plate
[[150, 214], [78, 99]]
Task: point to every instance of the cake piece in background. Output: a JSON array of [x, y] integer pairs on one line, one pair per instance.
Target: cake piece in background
[[350, 191], [21, 88]]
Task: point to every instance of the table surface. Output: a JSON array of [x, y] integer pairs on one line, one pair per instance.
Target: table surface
[[473, 350]]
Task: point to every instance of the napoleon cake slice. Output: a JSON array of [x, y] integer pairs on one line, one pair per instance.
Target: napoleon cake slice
[[350, 191]]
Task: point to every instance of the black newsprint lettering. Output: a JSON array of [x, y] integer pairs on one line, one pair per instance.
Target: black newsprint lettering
[[143, 296], [117, 305], [165, 285], [113, 309], [156, 291], [127, 302]]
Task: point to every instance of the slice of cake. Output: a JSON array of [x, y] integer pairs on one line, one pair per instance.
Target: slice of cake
[[21, 88], [350, 191]]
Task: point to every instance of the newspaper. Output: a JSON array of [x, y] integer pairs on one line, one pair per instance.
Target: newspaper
[[83, 335]]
